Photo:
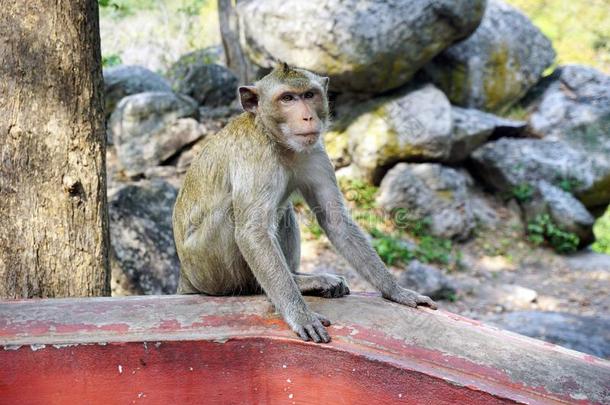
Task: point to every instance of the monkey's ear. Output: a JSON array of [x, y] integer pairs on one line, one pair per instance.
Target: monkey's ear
[[248, 96], [324, 81]]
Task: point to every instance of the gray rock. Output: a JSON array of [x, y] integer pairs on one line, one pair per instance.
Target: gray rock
[[416, 124], [495, 66], [427, 280], [210, 84], [149, 128], [209, 55], [564, 209], [144, 258], [588, 334], [509, 163], [588, 261], [122, 81], [365, 46], [472, 128], [430, 191], [413, 126], [575, 108], [507, 296]]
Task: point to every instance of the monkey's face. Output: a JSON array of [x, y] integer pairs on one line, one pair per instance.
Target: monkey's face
[[300, 116], [291, 104]]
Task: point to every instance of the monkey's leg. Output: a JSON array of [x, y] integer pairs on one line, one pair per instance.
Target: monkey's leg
[[290, 239], [322, 285], [185, 286]]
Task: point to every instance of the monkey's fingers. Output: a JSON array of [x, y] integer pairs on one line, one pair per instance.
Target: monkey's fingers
[[299, 330], [318, 333], [427, 301], [325, 321]]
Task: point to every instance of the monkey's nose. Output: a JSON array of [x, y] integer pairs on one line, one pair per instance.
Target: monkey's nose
[[308, 118]]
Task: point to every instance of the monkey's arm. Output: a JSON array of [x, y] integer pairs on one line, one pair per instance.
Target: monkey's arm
[[255, 223], [326, 201]]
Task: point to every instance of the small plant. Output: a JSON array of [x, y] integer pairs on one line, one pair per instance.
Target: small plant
[[314, 230], [568, 185], [601, 229], [358, 192], [111, 60], [431, 248], [517, 112], [542, 229], [434, 249], [522, 192], [403, 220], [390, 249]]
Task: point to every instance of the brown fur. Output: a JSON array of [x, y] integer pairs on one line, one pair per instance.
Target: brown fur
[[234, 226]]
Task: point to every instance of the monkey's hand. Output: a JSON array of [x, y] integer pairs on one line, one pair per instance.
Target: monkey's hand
[[309, 326], [409, 298]]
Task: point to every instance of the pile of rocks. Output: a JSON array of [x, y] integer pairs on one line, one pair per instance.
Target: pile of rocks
[[420, 89]]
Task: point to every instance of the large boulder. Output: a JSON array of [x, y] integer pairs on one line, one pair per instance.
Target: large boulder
[[149, 128], [143, 255], [563, 208], [416, 124], [125, 80], [589, 334], [495, 66], [433, 192], [472, 128], [510, 163], [413, 126], [367, 46], [575, 108], [427, 280], [210, 84]]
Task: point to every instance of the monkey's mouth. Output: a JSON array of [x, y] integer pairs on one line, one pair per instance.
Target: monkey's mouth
[[308, 134]]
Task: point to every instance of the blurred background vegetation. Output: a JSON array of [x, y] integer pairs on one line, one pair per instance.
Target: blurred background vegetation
[[155, 33], [580, 30]]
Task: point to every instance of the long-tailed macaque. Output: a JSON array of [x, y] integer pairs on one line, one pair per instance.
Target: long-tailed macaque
[[235, 228]]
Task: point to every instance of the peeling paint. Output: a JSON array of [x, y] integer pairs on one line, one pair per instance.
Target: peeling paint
[[37, 347], [65, 345]]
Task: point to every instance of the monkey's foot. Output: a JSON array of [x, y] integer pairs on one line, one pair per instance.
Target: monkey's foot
[[322, 285], [410, 298], [310, 326]]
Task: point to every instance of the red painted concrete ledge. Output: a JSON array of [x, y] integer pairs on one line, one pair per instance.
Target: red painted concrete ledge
[[235, 350]]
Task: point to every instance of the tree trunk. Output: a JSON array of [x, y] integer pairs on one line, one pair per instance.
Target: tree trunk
[[229, 31], [53, 212]]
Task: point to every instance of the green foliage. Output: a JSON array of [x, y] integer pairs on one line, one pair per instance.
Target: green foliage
[[523, 192], [111, 60], [391, 250], [403, 220], [429, 249], [542, 228], [568, 185], [434, 249], [602, 233], [579, 30], [517, 112], [313, 229], [360, 193], [130, 7]]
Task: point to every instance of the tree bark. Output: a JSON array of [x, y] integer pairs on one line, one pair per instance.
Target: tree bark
[[53, 208], [229, 31]]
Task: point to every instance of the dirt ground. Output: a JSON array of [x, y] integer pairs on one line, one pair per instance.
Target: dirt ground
[[505, 275]]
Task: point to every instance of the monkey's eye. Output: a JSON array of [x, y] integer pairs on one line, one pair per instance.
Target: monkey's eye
[[308, 94], [287, 98]]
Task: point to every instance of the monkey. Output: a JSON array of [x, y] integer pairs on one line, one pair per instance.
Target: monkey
[[234, 224]]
